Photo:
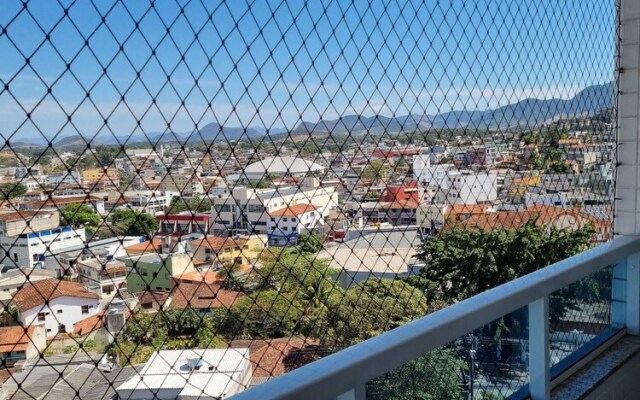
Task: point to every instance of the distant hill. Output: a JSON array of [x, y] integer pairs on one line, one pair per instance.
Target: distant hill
[[525, 113], [76, 141]]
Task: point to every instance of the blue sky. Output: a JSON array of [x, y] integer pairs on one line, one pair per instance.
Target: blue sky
[[269, 64]]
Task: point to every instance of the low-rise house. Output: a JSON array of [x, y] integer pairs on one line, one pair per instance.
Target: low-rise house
[[239, 249], [19, 343], [103, 277], [202, 297], [206, 374], [58, 304], [15, 279], [274, 357], [153, 271], [286, 224]]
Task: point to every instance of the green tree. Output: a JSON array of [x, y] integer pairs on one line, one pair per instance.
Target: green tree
[[12, 190], [134, 222], [206, 337], [464, 262], [265, 314], [310, 242], [371, 308], [430, 377], [80, 215]]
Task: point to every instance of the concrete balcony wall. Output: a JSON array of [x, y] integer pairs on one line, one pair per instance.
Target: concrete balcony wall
[[627, 206]]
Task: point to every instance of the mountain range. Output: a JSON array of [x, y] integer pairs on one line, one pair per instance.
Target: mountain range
[[523, 114]]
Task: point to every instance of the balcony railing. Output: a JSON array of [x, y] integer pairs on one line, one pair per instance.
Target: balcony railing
[[344, 375]]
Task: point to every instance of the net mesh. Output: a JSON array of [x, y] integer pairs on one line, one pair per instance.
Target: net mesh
[[206, 195]]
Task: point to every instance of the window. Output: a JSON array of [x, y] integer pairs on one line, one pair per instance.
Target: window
[[62, 328], [85, 309], [293, 220], [223, 208], [41, 317], [59, 312]]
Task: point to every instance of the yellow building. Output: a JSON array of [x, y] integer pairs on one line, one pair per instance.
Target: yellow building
[[92, 175], [239, 249]]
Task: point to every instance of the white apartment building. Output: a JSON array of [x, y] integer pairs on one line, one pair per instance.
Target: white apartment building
[[286, 224], [469, 187], [247, 210], [460, 187], [26, 246], [430, 175], [73, 177], [30, 249], [58, 304], [149, 201]]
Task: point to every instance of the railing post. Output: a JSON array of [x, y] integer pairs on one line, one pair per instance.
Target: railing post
[[539, 379], [625, 295], [633, 294], [357, 393]]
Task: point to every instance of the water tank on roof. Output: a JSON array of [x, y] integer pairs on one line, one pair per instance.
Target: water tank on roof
[[194, 363]]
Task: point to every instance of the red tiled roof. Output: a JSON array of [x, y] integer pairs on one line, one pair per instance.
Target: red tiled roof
[[61, 201], [39, 292], [148, 246], [200, 295], [15, 215], [293, 211], [15, 338], [207, 277], [90, 324], [217, 243], [274, 357]]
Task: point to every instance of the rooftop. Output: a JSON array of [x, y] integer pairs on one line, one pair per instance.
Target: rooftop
[[168, 369], [46, 290], [293, 211], [282, 165]]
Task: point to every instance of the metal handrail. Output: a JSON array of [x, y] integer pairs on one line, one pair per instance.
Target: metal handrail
[[354, 366]]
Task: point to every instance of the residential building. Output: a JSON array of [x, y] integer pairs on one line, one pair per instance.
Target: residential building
[[430, 175], [65, 261], [207, 374], [19, 223], [29, 250], [13, 280], [60, 202], [153, 271], [19, 343], [246, 210], [286, 224], [482, 156], [65, 177], [239, 249], [149, 201], [184, 223], [469, 187], [93, 175], [104, 277], [58, 304], [430, 218]]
